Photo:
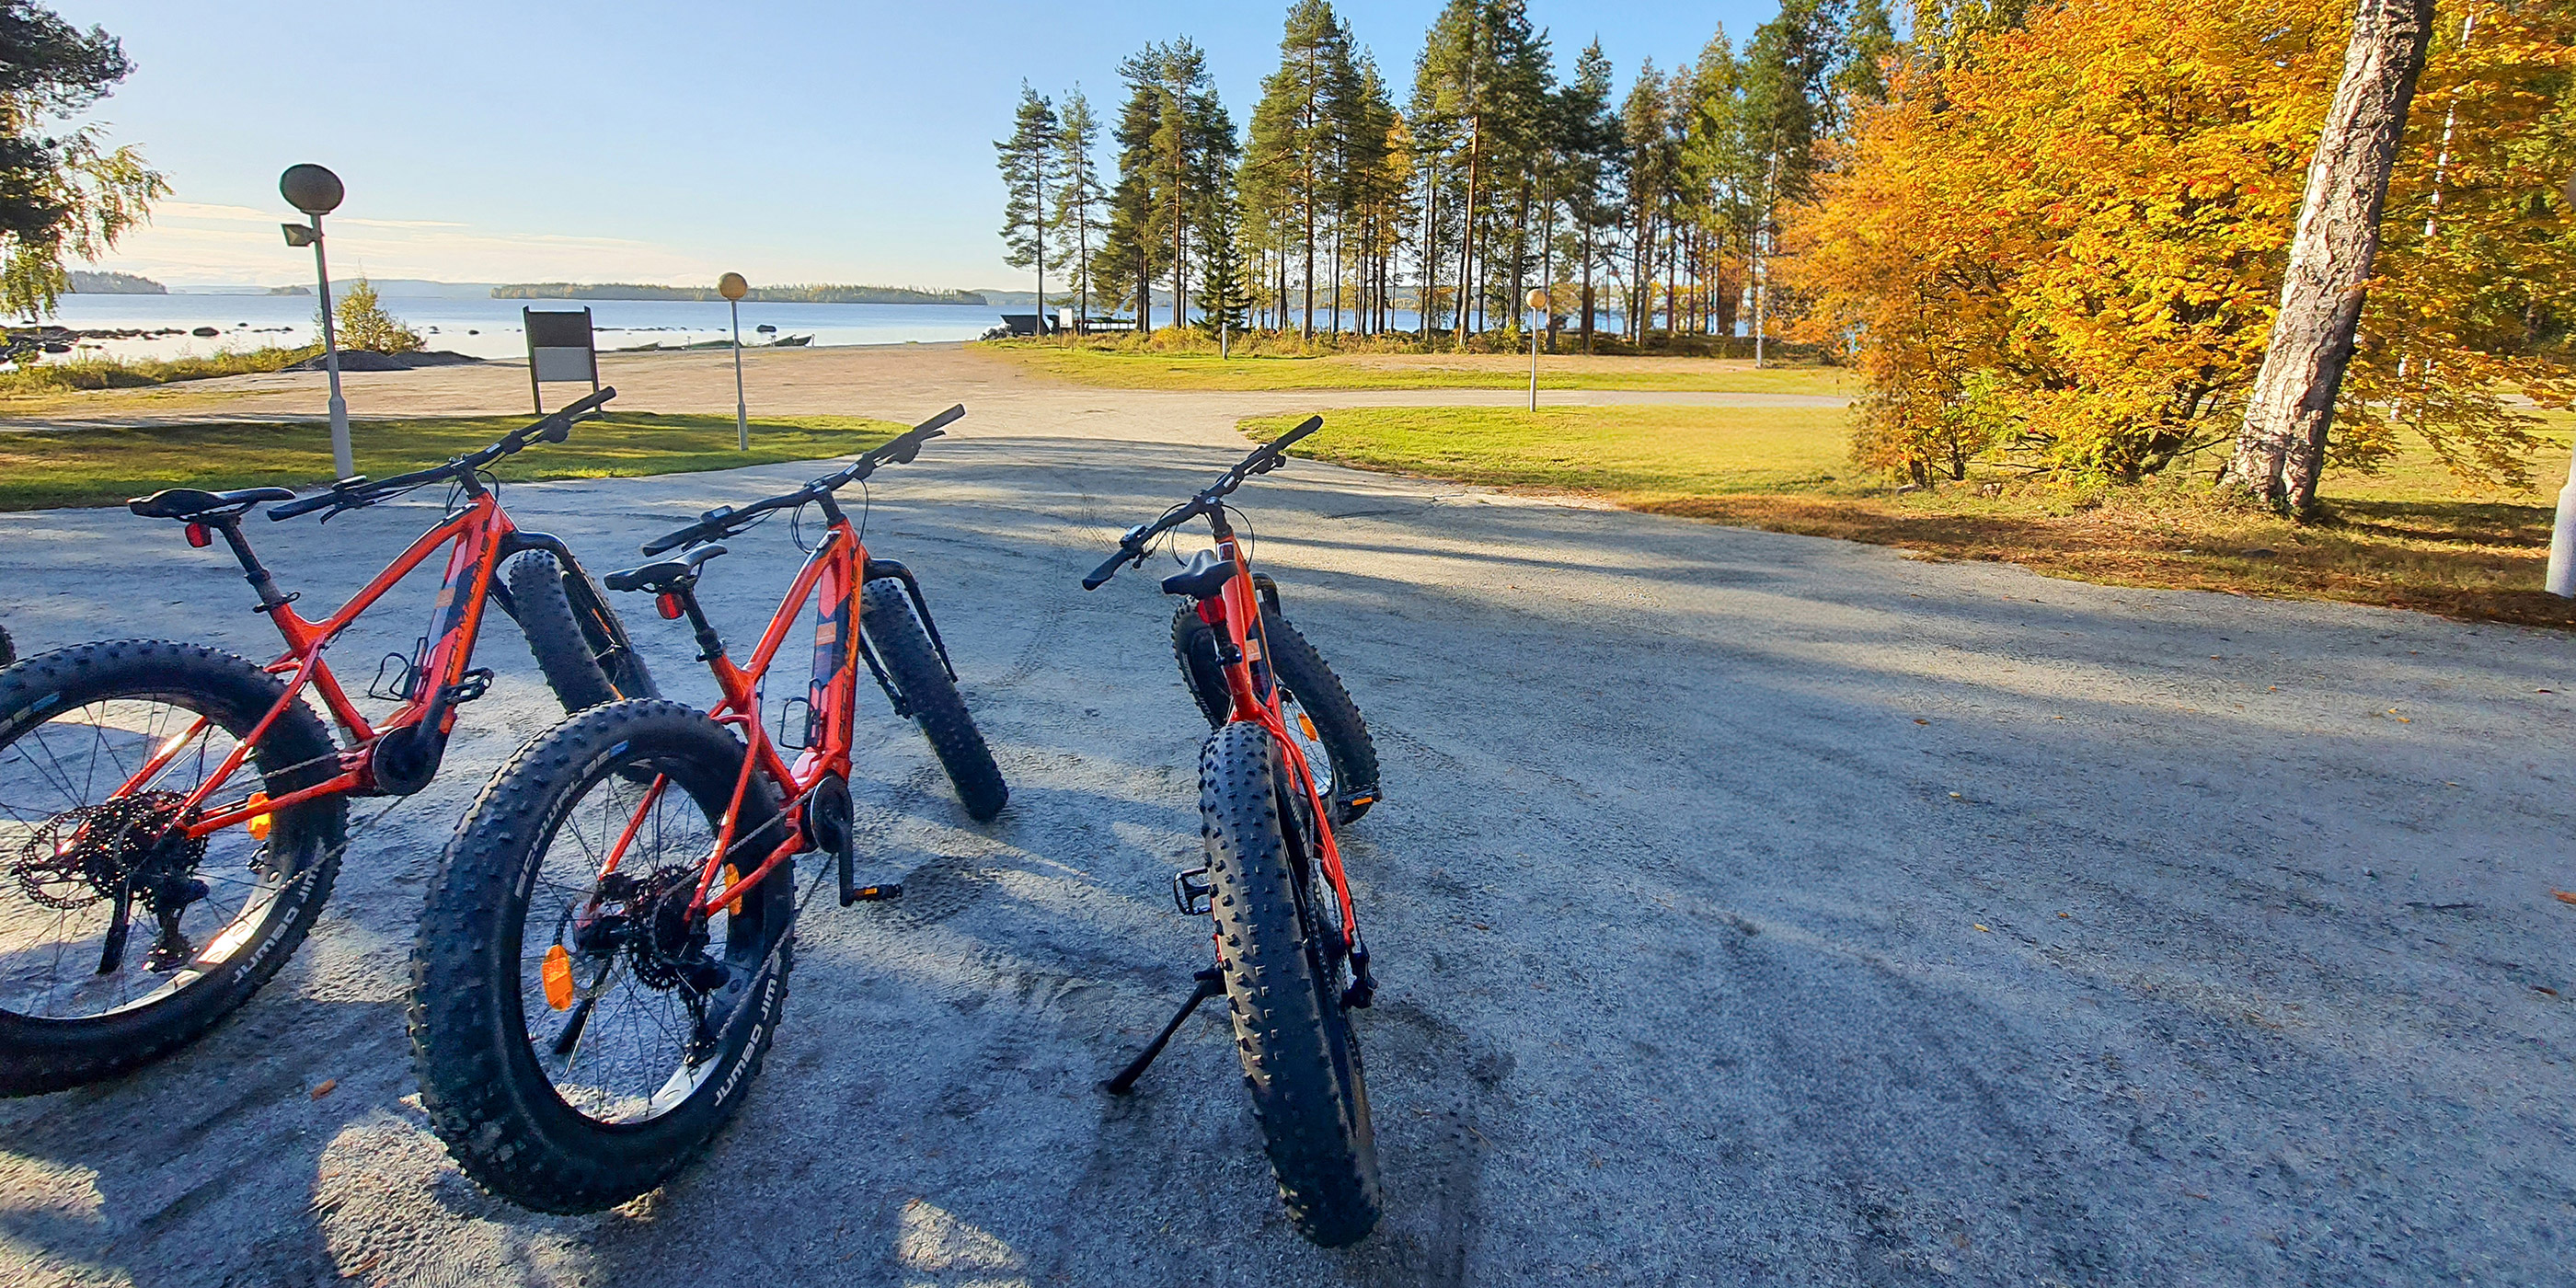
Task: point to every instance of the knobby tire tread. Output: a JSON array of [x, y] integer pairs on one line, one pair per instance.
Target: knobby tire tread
[[1297, 664], [895, 631], [565, 653], [1322, 1148], [486, 1098]]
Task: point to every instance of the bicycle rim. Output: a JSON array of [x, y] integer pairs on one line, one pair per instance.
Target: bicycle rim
[[70, 847], [627, 1035]]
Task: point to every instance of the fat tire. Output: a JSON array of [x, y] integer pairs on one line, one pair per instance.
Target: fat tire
[[484, 1093], [40, 1055], [569, 649], [1289, 1028], [912, 661], [1295, 663]]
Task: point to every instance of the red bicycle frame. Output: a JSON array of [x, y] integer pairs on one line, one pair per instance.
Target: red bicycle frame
[[832, 576], [480, 536], [1237, 614]]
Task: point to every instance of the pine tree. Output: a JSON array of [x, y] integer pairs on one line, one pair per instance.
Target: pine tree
[[1592, 151], [1028, 160], [1078, 194], [1647, 155], [1869, 40], [1131, 254], [1716, 179], [1188, 153], [1224, 297], [1299, 135]]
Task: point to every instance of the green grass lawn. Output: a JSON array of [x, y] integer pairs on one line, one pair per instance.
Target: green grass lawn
[[1150, 369], [2406, 537], [40, 469], [1636, 455]]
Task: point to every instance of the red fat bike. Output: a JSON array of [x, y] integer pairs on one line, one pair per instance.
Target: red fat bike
[[202, 795], [605, 951], [1290, 961]]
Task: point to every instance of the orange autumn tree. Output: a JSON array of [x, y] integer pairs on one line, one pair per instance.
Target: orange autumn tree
[[2062, 249]]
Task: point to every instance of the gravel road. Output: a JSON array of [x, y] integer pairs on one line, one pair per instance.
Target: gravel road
[[1749, 908]]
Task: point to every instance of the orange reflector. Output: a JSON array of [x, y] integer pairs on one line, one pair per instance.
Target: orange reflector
[[733, 907], [1308, 726], [258, 823], [199, 537], [558, 973], [668, 605]]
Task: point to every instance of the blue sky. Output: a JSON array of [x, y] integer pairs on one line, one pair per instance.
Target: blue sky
[[555, 140]]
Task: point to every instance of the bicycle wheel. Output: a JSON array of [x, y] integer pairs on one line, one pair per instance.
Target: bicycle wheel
[[895, 631], [118, 939], [578, 1038], [1283, 968], [578, 642], [8, 648], [1332, 734]]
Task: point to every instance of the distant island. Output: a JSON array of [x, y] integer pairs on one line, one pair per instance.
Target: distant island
[[762, 294], [85, 282], [290, 290]]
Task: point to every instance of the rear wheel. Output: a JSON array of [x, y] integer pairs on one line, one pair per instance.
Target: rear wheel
[[578, 1037], [120, 937], [1283, 976], [1321, 715], [896, 633], [579, 643]]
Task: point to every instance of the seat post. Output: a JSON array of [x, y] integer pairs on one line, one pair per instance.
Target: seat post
[[261, 583], [710, 645]]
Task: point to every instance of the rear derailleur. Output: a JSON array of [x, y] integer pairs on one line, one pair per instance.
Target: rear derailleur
[[127, 850]]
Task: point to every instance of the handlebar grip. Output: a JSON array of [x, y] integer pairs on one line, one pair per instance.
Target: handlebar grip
[[1312, 424], [306, 505], [942, 420], [590, 404], [676, 537], [1100, 576]]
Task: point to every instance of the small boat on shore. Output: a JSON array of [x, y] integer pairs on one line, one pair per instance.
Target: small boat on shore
[[791, 342]]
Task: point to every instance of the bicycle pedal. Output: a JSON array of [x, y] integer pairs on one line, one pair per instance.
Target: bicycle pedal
[[872, 894], [476, 683], [1193, 893]]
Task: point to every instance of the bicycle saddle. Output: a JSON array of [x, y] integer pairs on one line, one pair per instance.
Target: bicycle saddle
[[190, 503], [1204, 578], [666, 574]]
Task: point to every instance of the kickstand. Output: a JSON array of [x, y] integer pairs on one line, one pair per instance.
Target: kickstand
[[1211, 983]]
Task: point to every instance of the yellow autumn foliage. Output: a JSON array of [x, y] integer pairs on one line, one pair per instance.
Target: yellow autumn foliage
[[2063, 250]]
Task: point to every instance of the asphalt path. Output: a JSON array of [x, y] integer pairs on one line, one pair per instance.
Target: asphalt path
[[1748, 908]]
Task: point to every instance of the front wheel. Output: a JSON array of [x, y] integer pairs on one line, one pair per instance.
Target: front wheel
[[579, 1037], [578, 642], [1320, 713], [895, 631], [1301, 1061]]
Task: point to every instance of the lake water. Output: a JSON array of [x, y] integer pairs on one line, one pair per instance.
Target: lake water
[[488, 328]]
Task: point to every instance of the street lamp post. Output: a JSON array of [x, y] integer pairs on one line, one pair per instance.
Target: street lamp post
[[733, 288], [1538, 306], [317, 192]]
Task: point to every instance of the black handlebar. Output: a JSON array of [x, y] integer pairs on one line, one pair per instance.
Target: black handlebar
[[350, 493], [1265, 458], [725, 520]]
